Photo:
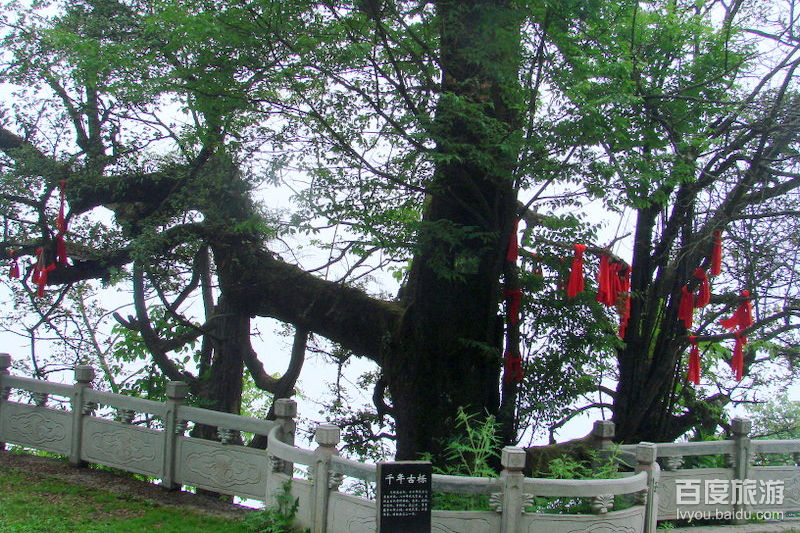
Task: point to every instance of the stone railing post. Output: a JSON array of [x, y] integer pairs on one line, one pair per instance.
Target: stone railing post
[[602, 441], [5, 364], [285, 414], [327, 436], [176, 394], [646, 453], [84, 375], [513, 461], [741, 465]]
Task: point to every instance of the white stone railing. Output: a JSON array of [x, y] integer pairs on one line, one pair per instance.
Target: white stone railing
[[323, 508], [722, 480], [108, 429]]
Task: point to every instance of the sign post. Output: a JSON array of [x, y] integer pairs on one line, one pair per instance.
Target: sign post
[[404, 497]]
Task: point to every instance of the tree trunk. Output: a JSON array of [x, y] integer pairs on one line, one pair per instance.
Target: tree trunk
[[219, 386], [446, 352]]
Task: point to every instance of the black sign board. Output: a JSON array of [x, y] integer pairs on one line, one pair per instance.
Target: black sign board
[[404, 497]]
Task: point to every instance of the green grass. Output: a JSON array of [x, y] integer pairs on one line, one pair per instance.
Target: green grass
[[49, 504]]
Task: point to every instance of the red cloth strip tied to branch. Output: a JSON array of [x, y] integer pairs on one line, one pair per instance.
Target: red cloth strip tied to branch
[[693, 375], [703, 297], [575, 283], [686, 307], [40, 272], [13, 270], [61, 226], [742, 318], [623, 299], [514, 299], [512, 253], [737, 361], [513, 372], [716, 254], [605, 284]]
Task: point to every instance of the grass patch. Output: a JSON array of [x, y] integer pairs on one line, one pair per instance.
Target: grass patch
[[47, 504]]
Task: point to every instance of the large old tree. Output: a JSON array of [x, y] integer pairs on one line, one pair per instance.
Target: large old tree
[[417, 128]]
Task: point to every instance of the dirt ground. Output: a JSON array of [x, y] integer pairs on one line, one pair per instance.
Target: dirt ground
[[118, 484]]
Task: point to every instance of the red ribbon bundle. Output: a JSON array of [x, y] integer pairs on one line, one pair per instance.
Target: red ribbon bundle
[[623, 299], [737, 361], [40, 272], [605, 283], [741, 319], [575, 283], [13, 271], [703, 297], [514, 299], [512, 253], [686, 307], [513, 367], [613, 288], [694, 362], [61, 226], [716, 254]]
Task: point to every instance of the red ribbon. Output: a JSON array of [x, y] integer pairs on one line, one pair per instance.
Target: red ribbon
[[513, 367], [694, 362], [575, 283], [13, 271], [61, 226], [686, 307], [716, 254], [512, 253], [742, 318], [40, 272], [703, 297], [605, 283], [514, 299], [623, 299], [737, 361], [613, 288], [61, 250]]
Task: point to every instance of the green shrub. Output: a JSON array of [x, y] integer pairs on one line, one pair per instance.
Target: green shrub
[[277, 519], [470, 454], [598, 465]]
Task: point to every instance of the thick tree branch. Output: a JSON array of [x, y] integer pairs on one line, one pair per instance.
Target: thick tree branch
[[265, 286], [150, 337]]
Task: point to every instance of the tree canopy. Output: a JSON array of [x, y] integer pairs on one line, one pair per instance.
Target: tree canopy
[[414, 136]]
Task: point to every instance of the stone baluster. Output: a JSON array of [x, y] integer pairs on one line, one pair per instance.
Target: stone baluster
[[40, 398], [126, 416], [672, 463], [603, 434], [176, 394], [226, 435], [285, 413], [5, 364], [513, 497], [84, 375], [327, 436], [646, 453], [741, 463], [602, 442]]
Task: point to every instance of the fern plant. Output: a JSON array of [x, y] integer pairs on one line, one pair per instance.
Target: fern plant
[[277, 519], [603, 465], [470, 454]]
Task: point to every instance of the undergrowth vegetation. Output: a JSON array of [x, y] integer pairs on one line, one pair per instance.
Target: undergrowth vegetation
[[474, 452], [33, 504]]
